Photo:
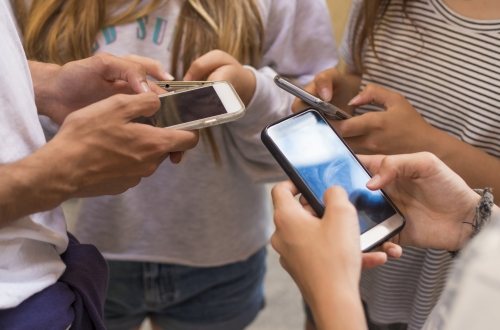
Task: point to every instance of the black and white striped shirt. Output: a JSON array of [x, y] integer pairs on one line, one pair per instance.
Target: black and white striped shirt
[[448, 67]]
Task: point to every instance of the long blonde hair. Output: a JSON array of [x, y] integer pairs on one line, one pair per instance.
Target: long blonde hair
[[60, 31]]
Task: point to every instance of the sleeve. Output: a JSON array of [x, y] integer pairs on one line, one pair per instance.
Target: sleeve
[[298, 43], [470, 298]]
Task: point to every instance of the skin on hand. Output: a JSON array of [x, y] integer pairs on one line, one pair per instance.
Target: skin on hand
[[376, 257], [386, 132], [97, 151], [332, 86], [60, 90], [109, 153], [434, 200], [218, 65], [322, 256], [401, 129]]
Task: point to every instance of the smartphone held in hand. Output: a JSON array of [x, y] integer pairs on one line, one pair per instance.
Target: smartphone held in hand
[[315, 158], [327, 109], [195, 105]]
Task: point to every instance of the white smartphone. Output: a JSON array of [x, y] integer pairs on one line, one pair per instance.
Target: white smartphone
[[195, 105], [315, 158], [328, 109]]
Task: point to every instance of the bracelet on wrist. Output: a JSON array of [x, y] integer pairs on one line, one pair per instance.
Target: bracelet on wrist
[[482, 214]]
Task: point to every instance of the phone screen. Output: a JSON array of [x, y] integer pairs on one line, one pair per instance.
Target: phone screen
[[321, 160], [186, 106]]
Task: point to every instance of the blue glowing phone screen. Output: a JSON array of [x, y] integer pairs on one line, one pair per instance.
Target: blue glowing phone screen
[[322, 160]]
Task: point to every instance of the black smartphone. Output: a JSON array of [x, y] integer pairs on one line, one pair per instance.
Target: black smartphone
[[315, 158], [328, 109]]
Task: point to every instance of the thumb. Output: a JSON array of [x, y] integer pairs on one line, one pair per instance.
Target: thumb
[[339, 212], [324, 84], [375, 94]]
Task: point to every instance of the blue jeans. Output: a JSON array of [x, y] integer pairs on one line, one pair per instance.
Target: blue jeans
[[181, 297]]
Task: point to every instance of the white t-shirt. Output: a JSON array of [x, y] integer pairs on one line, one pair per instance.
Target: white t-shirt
[[29, 247]]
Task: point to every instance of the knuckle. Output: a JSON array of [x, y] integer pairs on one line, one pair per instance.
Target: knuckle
[[196, 65], [430, 157], [275, 241], [120, 100], [278, 218], [370, 88], [321, 77], [150, 168], [102, 59]]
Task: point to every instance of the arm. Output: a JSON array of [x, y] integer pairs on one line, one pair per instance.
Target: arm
[[97, 151], [323, 257], [292, 29]]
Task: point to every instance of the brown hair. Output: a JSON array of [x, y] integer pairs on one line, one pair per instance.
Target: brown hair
[[365, 26], [59, 31]]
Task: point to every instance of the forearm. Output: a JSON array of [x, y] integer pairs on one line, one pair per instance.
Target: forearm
[[42, 75], [34, 184], [476, 167], [338, 308]]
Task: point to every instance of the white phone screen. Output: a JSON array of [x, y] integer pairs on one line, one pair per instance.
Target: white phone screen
[[322, 160]]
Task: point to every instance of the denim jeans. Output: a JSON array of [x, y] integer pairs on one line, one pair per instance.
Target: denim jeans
[[182, 297]]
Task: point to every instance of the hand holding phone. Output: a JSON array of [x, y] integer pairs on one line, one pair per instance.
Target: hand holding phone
[[328, 109], [194, 104], [316, 158]]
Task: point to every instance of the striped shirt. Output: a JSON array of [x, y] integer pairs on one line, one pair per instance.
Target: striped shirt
[[448, 67]]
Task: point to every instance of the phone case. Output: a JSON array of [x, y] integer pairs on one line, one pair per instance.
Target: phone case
[[302, 186], [174, 85], [285, 165], [328, 110], [185, 86]]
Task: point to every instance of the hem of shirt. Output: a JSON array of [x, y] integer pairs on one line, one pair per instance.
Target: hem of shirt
[[181, 261]]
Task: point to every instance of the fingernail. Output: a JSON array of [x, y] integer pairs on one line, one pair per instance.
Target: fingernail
[[145, 87], [373, 181], [355, 100], [168, 76], [324, 93]]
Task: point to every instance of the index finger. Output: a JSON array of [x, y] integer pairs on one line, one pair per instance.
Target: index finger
[[170, 140], [153, 67], [376, 94], [324, 83], [357, 125], [201, 68], [113, 68]]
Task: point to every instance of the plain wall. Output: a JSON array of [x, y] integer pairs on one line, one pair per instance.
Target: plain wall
[[339, 10]]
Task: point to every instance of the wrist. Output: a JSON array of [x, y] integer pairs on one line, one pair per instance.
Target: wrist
[[44, 78], [338, 307], [477, 216], [250, 86], [34, 184]]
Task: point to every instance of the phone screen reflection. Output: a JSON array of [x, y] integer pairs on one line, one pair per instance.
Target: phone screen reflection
[[188, 106], [322, 160]]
